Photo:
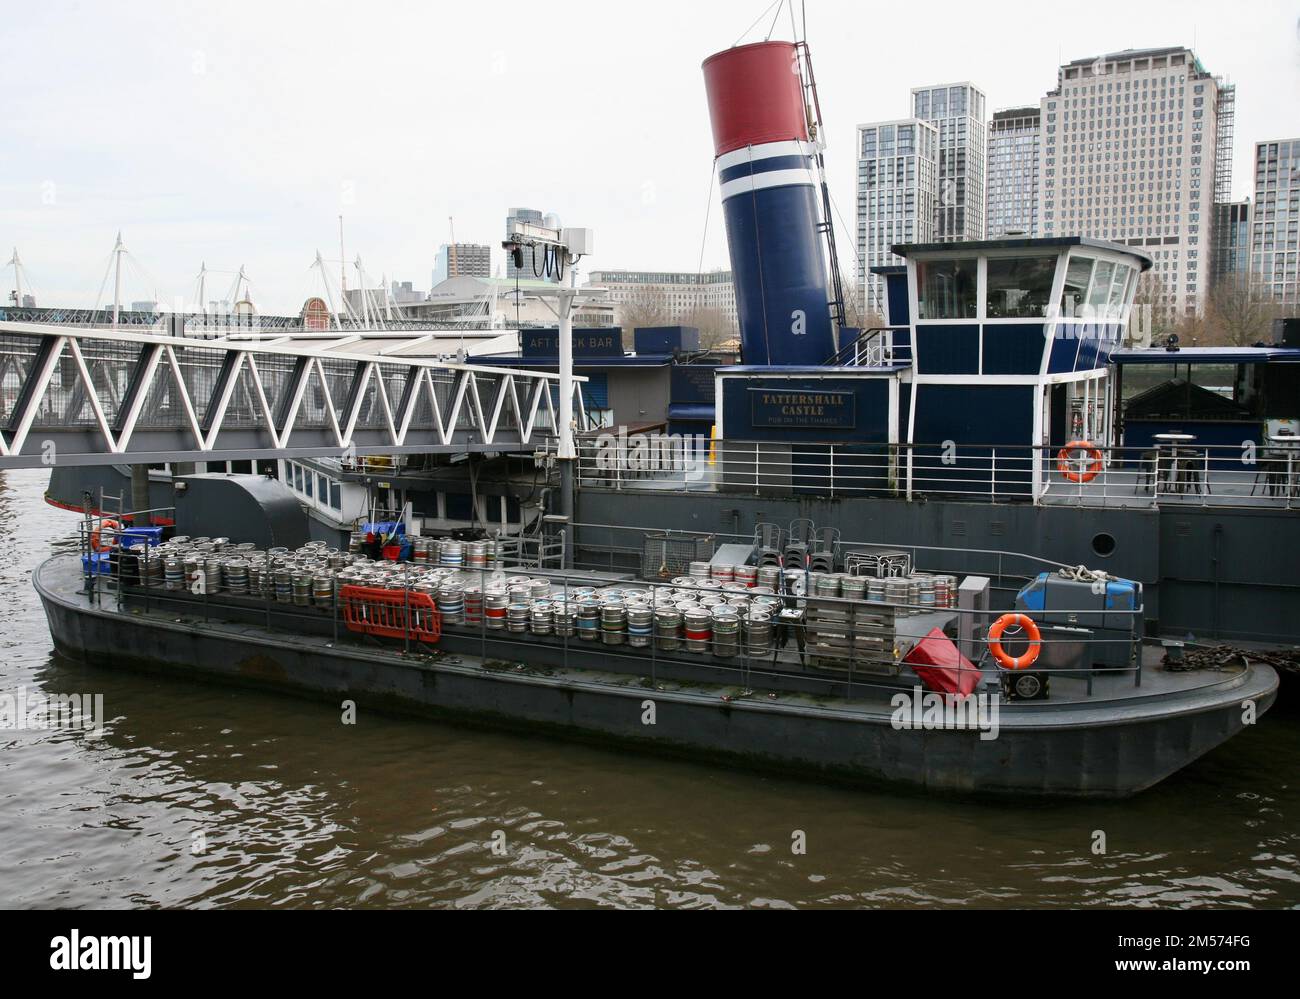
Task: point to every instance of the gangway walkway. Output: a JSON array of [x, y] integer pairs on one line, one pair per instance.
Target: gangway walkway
[[81, 396]]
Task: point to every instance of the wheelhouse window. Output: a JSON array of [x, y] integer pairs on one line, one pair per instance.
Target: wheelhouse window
[[1100, 292], [1074, 291], [1118, 291], [946, 289], [1019, 287]]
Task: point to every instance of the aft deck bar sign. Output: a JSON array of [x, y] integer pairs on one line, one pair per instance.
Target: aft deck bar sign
[[803, 410]]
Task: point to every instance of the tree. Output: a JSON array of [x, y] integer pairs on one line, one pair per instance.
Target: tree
[[1152, 311], [1240, 312], [715, 328], [645, 306]]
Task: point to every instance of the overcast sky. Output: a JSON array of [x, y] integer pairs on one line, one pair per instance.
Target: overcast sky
[[237, 132]]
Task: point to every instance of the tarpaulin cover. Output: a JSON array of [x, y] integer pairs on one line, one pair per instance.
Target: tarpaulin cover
[[755, 96], [941, 667]]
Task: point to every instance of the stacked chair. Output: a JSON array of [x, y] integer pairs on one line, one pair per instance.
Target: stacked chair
[[768, 542], [798, 544], [825, 543]]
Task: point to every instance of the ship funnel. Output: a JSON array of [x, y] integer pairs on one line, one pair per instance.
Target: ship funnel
[[767, 175]]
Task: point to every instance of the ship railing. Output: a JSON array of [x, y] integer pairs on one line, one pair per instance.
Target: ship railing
[[832, 644], [872, 348], [394, 464], [1210, 475], [854, 646]]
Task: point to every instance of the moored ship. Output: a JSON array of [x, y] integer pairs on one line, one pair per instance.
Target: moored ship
[[989, 418]]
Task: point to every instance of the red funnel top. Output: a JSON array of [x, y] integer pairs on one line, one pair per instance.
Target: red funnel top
[[755, 95]]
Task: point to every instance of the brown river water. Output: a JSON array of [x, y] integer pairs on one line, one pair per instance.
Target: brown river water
[[203, 795]]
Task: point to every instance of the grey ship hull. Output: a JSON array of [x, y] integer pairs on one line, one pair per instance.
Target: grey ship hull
[[1101, 748]]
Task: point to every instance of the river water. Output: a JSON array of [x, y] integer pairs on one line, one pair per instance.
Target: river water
[[202, 795]]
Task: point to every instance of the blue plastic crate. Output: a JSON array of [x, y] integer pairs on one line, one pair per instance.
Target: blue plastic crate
[[151, 536], [102, 564]]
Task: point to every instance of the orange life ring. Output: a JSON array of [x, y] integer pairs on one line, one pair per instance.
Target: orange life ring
[[105, 525], [1031, 629], [1065, 468]]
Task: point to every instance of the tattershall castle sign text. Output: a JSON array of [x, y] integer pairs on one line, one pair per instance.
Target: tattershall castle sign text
[[803, 410]]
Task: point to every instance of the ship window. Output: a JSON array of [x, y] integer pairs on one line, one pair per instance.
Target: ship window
[[322, 488], [1101, 286], [1103, 545], [336, 496], [459, 507], [307, 483], [1019, 287], [946, 288], [1077, 274], [1118, 288]]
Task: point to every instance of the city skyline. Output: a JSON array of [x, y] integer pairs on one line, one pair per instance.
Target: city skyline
[[197, 136]]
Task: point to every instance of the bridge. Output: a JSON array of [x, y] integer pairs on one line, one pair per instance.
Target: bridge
[[74, 395], [215, 324]]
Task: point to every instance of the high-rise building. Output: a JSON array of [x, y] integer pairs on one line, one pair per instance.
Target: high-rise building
[[676, 294], [1275, 229], [957, 111], [462, 260], [898, 164], [1231, 259], [1012, 203], [404, 293], [1130, 153]]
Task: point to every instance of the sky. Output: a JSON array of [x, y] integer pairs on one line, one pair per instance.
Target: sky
[[236, 133]]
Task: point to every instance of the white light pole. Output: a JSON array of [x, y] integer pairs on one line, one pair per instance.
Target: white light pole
[[566, 246], [564, 302]]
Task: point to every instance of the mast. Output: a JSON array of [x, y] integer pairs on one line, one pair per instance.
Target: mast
[[203, 287], [329, 296], [118, 250], [343, 263], [18, 279], [361, 284]]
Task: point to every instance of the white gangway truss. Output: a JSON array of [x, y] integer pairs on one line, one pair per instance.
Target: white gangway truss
[[82, 396]]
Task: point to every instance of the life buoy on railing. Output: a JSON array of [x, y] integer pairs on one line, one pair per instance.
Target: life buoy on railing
[[1064, 466], [107, 526], [1035, 641]]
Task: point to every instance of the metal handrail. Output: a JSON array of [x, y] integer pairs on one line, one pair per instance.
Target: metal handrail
[[853, 347], [1207, 475]]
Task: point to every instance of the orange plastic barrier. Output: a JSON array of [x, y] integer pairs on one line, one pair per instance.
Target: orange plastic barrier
[[391, 613]]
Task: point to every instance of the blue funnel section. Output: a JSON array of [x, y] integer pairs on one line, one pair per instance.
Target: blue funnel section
[[772, 218]]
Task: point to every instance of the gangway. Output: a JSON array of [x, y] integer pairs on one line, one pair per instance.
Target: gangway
[[75, 395]]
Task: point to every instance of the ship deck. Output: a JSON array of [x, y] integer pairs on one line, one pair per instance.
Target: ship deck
[[1099, 697]]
